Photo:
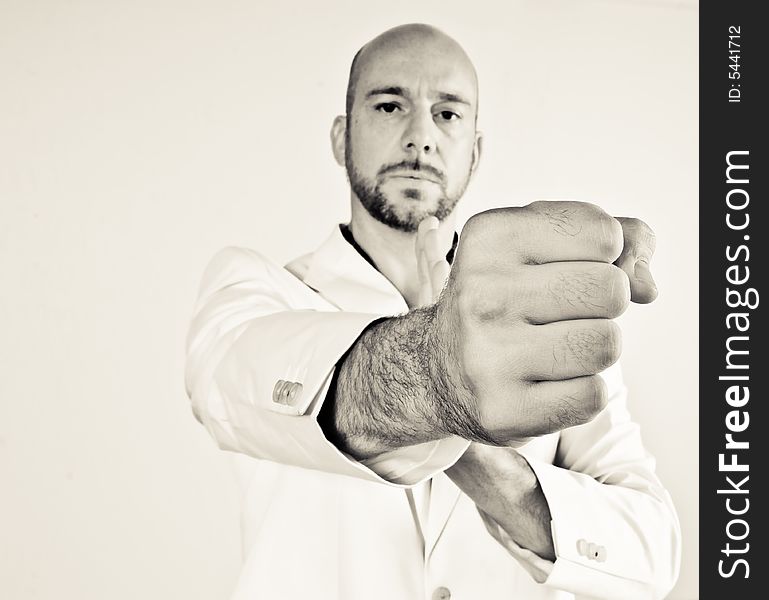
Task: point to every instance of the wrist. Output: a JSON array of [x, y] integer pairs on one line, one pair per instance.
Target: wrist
[[499, 480], [385, 387], [455, 401]]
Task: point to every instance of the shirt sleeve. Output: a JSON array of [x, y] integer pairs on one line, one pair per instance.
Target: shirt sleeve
[[261, 352], [615, 529]]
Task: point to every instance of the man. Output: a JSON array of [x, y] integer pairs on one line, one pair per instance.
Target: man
[[399, 441]]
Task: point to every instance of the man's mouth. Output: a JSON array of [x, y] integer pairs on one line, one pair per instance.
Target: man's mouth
[[414, 175]]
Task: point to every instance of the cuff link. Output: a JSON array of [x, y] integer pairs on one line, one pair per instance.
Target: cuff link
[[591, 551], [286, 392]]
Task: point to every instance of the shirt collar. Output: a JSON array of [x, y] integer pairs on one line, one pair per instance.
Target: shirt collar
[[348, 279], [347, 234]]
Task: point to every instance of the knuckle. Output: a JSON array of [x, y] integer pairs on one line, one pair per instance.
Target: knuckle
[[612, 346], [603, 290], [618, 287], [588, 397], [489, 220], [647, 236], [586, 211], [563, 218], [632, 223], [596, 347], [474, 223], [611, 239], [489, 235], [574, 289], [595, 394], [538, 205], [651, 238], [567, 412], [479, 299], [476, 233], [639, 235]]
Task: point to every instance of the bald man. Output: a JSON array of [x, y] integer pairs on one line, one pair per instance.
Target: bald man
[[420, 416]]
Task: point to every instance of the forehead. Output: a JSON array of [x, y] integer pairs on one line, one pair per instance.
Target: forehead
[[420, 69]]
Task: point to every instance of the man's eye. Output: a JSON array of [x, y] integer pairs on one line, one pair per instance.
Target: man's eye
[[447, 115], [387, 107]]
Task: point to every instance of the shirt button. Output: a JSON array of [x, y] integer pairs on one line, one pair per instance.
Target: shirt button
[[441, 593]]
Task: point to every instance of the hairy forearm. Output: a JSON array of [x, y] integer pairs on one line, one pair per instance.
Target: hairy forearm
[[502, 485], [393, 391], [382, 398]]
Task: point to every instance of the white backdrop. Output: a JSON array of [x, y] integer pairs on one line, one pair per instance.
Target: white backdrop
[[138, 137]]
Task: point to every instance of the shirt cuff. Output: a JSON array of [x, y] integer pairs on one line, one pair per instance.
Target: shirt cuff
[[414, 464], [586, 563]]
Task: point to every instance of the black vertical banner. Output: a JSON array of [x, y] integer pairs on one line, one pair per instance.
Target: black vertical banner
[[733, 230]]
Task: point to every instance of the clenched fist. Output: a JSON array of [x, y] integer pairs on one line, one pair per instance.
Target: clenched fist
[[525, 322]]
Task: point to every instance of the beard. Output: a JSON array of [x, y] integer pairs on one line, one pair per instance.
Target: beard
[[387, 211]]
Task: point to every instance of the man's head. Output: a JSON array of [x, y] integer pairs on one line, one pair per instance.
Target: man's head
[[408, 141]]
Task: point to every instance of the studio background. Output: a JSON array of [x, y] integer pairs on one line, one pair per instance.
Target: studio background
[[137, 138]]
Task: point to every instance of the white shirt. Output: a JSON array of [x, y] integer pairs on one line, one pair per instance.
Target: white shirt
[[316, 523]]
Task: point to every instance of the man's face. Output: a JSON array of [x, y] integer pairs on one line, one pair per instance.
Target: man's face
[[410, 137]]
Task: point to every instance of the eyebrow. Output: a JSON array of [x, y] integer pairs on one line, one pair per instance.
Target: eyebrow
[[390, 91], [399, 91], [448, 97]]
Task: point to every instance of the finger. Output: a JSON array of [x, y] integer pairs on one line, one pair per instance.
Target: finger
[[555, 405], [571, 290], [439, 273], [431, 244], [419, 248], [438, 267], [568, 349], [425, 295], [545, 232], [643, 288], [427, 224], [637, 252], [420, 253]]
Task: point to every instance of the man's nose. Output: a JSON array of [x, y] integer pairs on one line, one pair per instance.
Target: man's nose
[[419, 136]]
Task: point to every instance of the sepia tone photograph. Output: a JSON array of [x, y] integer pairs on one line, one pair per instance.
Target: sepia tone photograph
[[346, 301]]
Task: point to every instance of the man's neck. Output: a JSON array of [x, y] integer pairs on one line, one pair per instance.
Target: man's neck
[[393, 251]]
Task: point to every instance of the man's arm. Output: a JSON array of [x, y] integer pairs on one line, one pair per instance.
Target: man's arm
[[390, 392], [506, 491], [528, 285], [511, 348]]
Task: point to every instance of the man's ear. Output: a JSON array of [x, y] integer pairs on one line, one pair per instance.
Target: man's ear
[[338, 129], [477, 147]]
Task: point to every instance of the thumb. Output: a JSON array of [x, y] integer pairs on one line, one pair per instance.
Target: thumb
[[424, 268], [637, 252], [646, 288], [436, 259]]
